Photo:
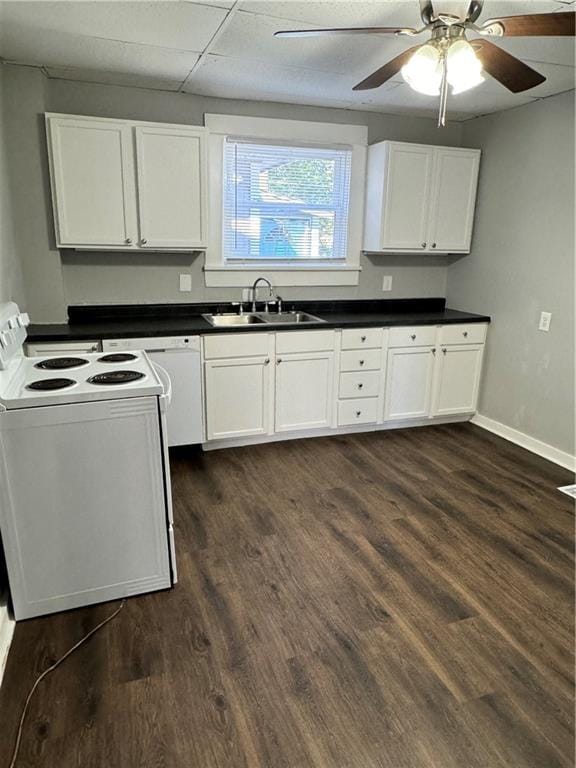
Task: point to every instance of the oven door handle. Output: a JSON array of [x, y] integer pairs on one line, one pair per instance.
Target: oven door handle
[[166, 382]]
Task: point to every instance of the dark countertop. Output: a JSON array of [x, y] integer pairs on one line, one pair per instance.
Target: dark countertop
[[132, 321]]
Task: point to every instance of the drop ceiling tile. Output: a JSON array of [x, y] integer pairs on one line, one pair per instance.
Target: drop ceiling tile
[[251, 36], [57, 49], [234, 78], [551, 50], [114, 78], [338, 13], [183, 26], [558, 79]]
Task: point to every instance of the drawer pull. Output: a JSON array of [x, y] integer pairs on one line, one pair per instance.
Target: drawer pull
[[278, 360], [360, 386], [128, 241], [433, 350], [267, 361], [361, 362], [443, 350], [358, 413], [465, 334], [362, 338], [413, 336], [423, 245]]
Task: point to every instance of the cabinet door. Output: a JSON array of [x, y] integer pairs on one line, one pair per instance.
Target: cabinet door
[[407, 196], [457, 379], [409, 382], [171, 182], [304, 391], [453, 199], [93, 186], [237, 395]]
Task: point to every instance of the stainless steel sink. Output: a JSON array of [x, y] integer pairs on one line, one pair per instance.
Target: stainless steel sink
[[228, 319], [248, 319], [289, 318]]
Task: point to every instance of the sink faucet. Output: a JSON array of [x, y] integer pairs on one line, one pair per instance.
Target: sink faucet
[[255, 287]]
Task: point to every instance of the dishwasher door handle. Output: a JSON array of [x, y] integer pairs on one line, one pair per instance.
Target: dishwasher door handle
[[166, 381]]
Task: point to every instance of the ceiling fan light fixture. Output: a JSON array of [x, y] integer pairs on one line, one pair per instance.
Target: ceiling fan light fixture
[[464, 70], [423, 71]]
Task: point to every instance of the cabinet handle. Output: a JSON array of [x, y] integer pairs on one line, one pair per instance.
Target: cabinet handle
[[413, 337], [143, 241], [362, 338], [267, 361], [423, 245], [278, 360], [465, 334], [444, 350], [361, 362], [128, 241], [433, 350], [358, 413], [360, 386], [433, 245]]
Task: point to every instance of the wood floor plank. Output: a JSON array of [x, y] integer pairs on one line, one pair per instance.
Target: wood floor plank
[[387, 600]]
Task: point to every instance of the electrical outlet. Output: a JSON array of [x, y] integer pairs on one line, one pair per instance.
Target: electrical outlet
[[545, 318], [387, 283], [185, 282]]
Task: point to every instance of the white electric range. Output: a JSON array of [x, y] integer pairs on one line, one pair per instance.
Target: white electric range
[[85, 498]]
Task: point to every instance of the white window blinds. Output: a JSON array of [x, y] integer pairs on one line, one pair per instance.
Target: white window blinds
[[285, 204]]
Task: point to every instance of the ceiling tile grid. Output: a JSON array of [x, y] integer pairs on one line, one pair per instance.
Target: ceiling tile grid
[[226, 48]]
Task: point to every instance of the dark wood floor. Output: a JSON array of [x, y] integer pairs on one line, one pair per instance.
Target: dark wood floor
[[392, 600]]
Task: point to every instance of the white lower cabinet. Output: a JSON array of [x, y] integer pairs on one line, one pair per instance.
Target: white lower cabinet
[[409, 382], [238, 392], [457, 379], [260, 384], [304, 391]]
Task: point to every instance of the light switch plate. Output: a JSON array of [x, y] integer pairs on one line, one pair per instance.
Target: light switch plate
[[545, 318], [185, 282], [387, 283]]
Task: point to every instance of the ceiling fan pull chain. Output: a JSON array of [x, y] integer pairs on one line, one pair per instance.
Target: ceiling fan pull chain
[[443, 92]]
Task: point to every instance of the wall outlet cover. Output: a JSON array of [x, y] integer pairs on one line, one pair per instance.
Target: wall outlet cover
[[185, 282], [544, 324], [387, 283]]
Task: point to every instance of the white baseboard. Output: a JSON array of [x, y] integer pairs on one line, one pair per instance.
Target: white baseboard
[[545, 450], [7, 625]]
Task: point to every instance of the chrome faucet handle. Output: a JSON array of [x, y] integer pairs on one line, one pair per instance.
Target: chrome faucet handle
[[238, 304], [279, 304]]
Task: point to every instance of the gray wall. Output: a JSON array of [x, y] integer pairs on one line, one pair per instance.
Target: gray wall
[[11, 277], [54, 280], [522, 263]]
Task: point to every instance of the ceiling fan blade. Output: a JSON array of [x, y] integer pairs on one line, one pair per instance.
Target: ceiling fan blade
[[386, 72], [346, 31], [507, 69], [532, 24]]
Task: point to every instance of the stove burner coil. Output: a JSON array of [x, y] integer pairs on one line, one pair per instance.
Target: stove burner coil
[[117, 357], [116, 377], [47, 385], [60, 363]]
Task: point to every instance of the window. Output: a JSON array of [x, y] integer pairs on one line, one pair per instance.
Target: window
[[285, 204]]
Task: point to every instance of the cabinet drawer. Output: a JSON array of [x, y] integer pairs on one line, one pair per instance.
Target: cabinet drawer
[[236, 345], [304, 341], [412, 336], [359, 384], [361, 360], [469, 333], [357, 411], [360, 338]]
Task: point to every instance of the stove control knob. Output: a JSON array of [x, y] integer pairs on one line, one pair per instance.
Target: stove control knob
[[13, 322], [5, 338], [23, 319]]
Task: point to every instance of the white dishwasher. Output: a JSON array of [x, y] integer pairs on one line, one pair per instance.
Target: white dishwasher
[[180, 357]]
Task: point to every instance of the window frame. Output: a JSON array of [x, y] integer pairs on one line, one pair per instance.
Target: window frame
[[218, 272]]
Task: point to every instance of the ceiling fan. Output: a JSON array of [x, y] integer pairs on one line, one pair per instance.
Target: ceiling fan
[[447, 58]]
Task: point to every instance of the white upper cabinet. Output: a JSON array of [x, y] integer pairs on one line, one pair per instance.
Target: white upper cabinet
[[453, 199], [420, 198], [171, 172], [92, 174], [120, 184]]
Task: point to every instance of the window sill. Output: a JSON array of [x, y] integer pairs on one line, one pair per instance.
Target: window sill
[[244, 276]]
